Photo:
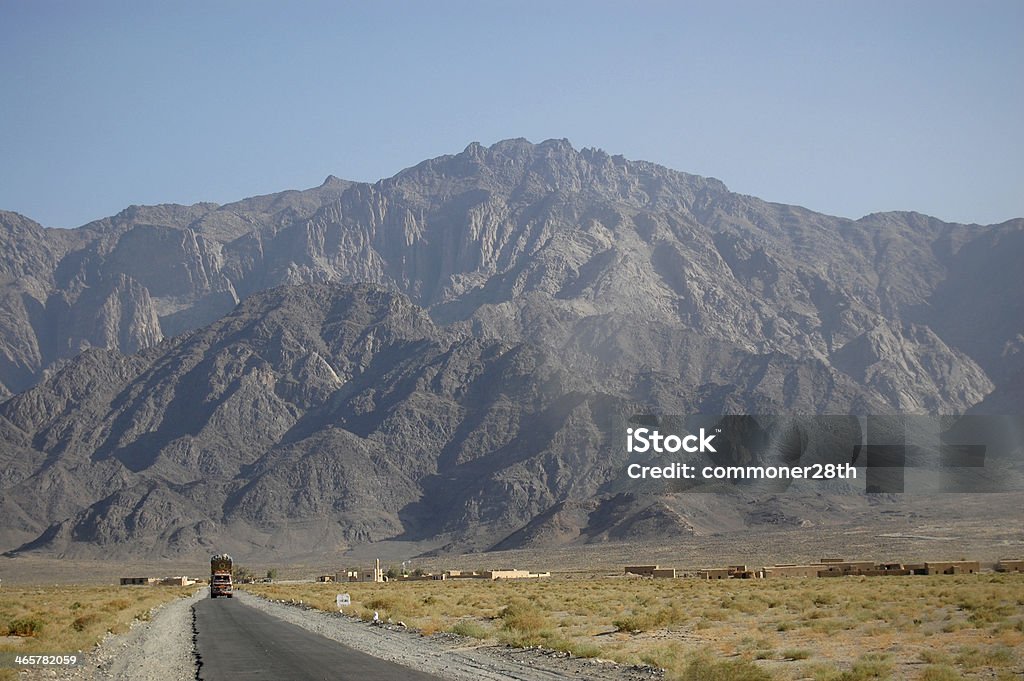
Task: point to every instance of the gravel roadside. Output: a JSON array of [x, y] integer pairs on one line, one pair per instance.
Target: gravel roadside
[[160, 649], [449, 656]]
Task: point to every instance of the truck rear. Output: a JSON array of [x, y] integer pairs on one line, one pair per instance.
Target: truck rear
[[220, 576]]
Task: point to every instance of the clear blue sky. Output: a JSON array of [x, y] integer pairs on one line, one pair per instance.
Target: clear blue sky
[[844, 107]]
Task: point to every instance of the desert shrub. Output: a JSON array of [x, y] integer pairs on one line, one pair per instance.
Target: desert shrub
[[970, 657], [117, 604], [523, 616], [469, 628], [572, 647], [703, 668], [430, 626], [25, 626], [985, 612], [830, 626], [935, 657], [651, 619], [585, 650], [80, 623], [870, 666], [940, 673], [796, 654], [398, 604], [631, 623], [669, 656], [380, 603], [824, 599]]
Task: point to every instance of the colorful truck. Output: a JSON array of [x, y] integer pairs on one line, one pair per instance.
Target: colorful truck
[[220, 575]]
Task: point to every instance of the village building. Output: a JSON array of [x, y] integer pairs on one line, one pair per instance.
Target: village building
[[792, 570], [151, 581], [374, 574], [838, 567], [714, 573], [955, 567]]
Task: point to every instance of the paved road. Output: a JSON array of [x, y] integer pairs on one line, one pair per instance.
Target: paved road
[[237, 643]]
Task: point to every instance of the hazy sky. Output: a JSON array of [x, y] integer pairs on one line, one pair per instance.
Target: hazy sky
[[844, 107]]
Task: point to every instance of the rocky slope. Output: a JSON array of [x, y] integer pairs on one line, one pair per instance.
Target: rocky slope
[[439, 355], [339, 411]]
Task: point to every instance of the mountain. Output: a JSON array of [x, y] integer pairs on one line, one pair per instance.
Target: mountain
[[439, 355], [341, 410]]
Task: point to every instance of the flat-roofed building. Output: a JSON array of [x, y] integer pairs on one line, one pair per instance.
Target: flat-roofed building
[[641, 570], [952, 567], [793, 571], [846, 567]]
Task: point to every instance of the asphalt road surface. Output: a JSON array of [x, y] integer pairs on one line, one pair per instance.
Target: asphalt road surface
[[237, 642]]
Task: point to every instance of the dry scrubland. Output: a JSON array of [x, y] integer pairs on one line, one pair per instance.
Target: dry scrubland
[[840, 629], [66, 619]]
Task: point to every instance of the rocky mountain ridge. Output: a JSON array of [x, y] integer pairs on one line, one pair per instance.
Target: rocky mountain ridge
[[439, 354]]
